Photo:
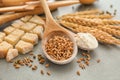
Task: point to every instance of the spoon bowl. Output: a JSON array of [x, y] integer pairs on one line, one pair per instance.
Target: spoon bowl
[[54, 29], [59, 33]]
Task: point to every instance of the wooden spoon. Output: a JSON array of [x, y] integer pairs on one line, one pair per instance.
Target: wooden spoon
[[54, 29]]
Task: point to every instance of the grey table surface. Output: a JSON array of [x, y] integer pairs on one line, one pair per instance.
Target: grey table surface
[[107, 69]]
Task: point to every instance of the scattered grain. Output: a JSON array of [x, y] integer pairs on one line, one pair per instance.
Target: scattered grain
[[78, 73], [48, 73], [42, 61], [78, 61], [30, 65], [31, 53], [34, 67], [82, 66], [47, 65], [34, 57], [17, 66], [42, 72], [98, 61], [111, 6]]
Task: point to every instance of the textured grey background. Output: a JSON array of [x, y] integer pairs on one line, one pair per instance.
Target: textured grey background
[[107, 69]]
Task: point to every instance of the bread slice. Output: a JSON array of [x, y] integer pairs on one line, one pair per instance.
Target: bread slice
[[11, 54], [26, 18], [18, 32], [24, 47], [38, 30], [30, 37], [12, 39], [4, 47], [9, 29], [28, 26], [17, 24], [38, 20]]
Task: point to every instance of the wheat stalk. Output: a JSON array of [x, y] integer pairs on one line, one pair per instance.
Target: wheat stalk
[[101, 36], [88, 12]]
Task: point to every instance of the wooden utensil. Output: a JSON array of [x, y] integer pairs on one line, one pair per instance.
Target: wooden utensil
[[33, 4], [10, 17], [54, 29]]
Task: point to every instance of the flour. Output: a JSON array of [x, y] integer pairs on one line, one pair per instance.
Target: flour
[[86, 41]]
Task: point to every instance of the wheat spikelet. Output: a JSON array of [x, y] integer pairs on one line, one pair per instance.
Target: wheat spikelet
[[102, 16], [88, 12], [113, 32], [113, 27], [101, 36], [110, 22], [82, 21]]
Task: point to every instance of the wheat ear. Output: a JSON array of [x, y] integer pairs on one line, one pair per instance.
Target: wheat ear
[[101, 36], [92, 23], [82, 21]]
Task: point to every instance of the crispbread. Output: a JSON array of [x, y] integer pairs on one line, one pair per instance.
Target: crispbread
[[38, 20], [38, 30], [30, 37], [18, 33], [26, 18], [2, 35], [4, 47], [17, 24], [24, 47], [9, 29], [28, 26], [12, 53], [12, 39]]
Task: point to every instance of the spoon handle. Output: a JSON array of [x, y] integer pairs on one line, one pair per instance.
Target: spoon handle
[[47, 11]]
